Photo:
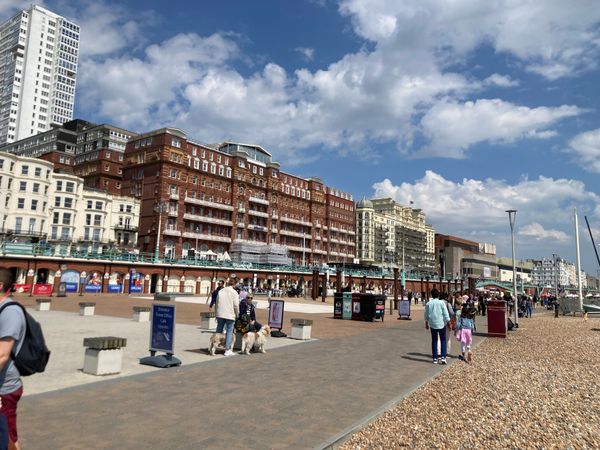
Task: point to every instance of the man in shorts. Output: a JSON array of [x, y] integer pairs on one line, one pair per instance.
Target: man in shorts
[[12, 332]]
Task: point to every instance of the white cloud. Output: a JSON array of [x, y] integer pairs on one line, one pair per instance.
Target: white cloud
[[500, 80], [365, 99], [553, 38], [473, 205], [585, 148], [307, 53], [538, 232], [453, 127]]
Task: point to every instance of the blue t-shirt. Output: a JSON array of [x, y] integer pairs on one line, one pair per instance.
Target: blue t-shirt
[[12, 324]]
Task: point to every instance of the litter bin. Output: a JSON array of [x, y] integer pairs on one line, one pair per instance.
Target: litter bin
[[496, 318], [368, 307], [338, 301], [349, 307]]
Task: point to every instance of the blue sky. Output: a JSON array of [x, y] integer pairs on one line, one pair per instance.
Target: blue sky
[[467, 108]]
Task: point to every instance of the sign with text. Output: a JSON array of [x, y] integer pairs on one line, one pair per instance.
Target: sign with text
[[162, 330], [42, 289], [276, 314], [404, 308]]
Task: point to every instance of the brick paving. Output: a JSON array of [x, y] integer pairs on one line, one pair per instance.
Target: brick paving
[[294, 397]]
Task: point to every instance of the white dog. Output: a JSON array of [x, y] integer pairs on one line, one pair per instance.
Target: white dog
[[216, 340], [256, 340]]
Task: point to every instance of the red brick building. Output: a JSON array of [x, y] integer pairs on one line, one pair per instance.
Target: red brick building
[[233, 198]]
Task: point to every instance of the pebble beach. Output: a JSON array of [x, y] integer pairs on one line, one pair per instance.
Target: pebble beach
[[538, 389]]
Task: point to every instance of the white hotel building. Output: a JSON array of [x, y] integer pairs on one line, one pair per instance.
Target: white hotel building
[[39, 51], [41, 205]]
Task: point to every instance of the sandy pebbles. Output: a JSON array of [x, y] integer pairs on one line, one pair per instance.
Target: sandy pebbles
[[540, 388]]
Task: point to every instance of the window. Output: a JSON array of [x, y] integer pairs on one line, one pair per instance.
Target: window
[[88, 219], [99, 205], [68, 202], [128, 208], [38, 171], [24, 170], [66, 219], [96, 234], [36, 187], [22, 186], [1, 164], [175, 143], [21, 203], [59, 186], [57, 202], [70, 186], [55, 218], [97, 220], [34, 204], [64, 233], [90, 204], [18, 224]]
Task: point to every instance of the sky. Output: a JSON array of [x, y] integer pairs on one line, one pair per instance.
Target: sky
[[466, 108]]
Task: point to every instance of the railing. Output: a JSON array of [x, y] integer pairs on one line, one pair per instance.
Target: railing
[[35, 250], [197, 201]]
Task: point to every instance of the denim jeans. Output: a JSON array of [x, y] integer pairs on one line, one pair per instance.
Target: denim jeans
[[434, 340], [228, 325]]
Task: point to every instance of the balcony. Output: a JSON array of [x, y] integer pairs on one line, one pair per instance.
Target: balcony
[[173, 212], [197, 201], [295, 234], [298, 249], [206, 219], [173, 195], [259, 200], [207, 237], [320, 252], [125, 227], [258, 213], [257, 228], [171, 232], [299, 222]]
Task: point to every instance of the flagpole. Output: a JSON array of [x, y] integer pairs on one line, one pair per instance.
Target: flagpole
[[580, 291]]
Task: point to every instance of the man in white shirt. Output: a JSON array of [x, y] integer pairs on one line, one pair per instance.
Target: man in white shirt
[[227, 309]]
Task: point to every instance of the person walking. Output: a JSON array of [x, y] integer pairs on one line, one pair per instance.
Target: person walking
[[528, 307], [436, 318], [464, 332], [12, 334], [214, 294], [226, 310]]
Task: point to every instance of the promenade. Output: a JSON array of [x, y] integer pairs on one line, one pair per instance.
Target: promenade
[[298, 395]]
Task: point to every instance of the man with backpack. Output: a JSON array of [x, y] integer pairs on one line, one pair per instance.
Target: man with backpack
[[12, 334]]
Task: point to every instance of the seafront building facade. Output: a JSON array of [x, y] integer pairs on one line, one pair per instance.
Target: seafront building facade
[[392, 235], [232, 198], [39, 53], [40, 205], [552, 272]]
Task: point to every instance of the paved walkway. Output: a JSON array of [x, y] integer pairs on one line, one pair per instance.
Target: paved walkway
[[293, 397]]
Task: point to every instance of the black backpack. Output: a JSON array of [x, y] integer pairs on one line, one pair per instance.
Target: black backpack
[[33, 355]]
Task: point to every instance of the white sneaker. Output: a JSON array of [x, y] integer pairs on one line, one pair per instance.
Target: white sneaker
[[228, 353]]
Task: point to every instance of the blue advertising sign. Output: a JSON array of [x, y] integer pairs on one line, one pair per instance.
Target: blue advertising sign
[[71, 280], [114, 288], [93, 288], [162, 331], [136, 282]]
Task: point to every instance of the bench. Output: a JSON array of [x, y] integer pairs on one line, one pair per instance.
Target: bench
[[87, 308], [43, 304], [103, 355], [208, 320], [170, 296], [301, 328], [141, 313]]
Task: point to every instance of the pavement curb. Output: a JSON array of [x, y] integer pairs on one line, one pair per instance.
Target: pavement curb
[[339, 439]]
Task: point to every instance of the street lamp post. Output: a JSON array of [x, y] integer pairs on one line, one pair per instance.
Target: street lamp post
[[511, 218], [160, 208], [555, 258]]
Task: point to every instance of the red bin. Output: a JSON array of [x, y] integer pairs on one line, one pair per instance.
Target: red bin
[[496, 318]]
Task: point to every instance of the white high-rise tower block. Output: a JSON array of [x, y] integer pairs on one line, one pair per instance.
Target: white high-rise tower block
[[39, 51]]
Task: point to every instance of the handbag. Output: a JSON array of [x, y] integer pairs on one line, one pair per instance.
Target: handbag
[[452, 323]]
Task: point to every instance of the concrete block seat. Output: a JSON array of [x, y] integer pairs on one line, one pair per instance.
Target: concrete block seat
[[43, 304], [301, 328], [141, 313], [87, 308], [103, 355]]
